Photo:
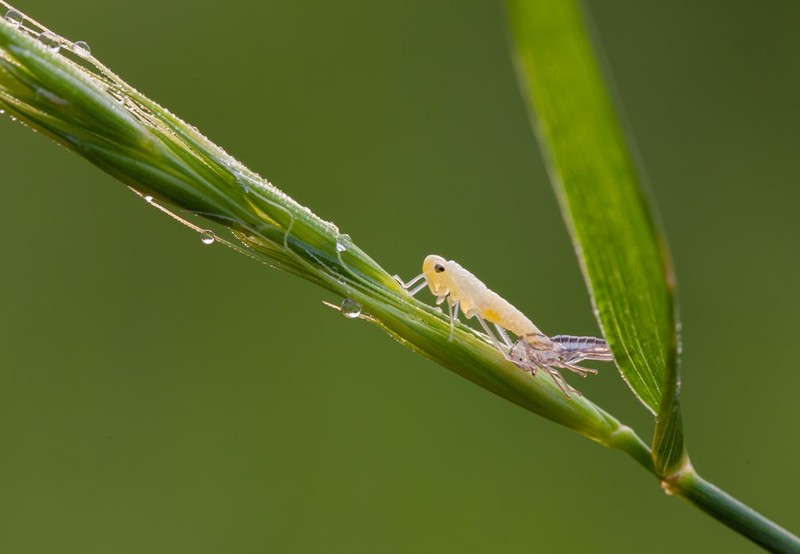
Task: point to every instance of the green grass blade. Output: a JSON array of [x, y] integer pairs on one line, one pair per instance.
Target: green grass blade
[[669, 451], [622, 253], [83, 106]]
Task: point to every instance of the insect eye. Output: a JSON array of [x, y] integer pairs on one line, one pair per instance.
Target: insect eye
[[438, 268]]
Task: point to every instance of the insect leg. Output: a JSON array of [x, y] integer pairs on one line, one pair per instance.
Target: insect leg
[[555, 375], [491, 336], [559, 380], [453, 317], [582, 371], [576, 359], [418, 288], [411, 283], [503, 335], [598, 356]]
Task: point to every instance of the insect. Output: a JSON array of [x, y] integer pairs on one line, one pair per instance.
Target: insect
[[533, 350]]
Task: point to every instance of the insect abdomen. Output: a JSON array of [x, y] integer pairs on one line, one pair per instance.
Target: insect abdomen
[[500, 311]]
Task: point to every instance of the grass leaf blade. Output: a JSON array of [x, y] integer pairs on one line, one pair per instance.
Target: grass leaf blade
[[83, 106], [621, 251]]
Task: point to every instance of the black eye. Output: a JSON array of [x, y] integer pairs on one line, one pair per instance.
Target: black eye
[[438, 268]]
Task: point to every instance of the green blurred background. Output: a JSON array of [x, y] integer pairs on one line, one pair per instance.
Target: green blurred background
[[159, 395]]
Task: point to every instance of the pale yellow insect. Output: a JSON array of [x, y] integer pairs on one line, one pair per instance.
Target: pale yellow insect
[[533, 350]]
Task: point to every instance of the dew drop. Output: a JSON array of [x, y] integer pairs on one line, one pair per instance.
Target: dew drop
[[342, 243], [14, 18], [81, 49], [208, 236], [350, 308], [50, 41], [148, 199]]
